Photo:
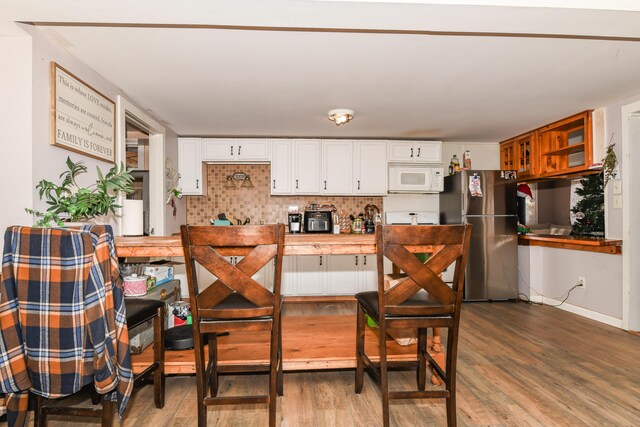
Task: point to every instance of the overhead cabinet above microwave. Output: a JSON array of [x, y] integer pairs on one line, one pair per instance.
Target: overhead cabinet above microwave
[[415, 151]]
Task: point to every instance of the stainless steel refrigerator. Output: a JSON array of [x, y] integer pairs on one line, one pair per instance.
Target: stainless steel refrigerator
[[492, 264]]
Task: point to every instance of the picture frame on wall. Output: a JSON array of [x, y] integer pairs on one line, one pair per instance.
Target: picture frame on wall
[[82, 119]]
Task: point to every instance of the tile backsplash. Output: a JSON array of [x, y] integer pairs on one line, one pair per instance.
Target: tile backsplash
[[257, 203]]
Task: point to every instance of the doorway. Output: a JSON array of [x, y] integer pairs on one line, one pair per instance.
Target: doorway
[[630, 217], [141, 142]]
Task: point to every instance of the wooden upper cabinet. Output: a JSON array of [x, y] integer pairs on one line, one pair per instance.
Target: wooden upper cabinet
[[507, 155], [566, 146], [560, 148]]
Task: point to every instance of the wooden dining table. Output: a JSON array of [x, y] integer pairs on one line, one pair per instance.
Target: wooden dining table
[[309, 342]]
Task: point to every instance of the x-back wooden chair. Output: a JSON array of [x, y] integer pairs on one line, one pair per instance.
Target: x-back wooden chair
[[235, 302], [420, 300]]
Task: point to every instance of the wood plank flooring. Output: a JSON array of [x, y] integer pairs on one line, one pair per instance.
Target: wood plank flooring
[[519, 365]]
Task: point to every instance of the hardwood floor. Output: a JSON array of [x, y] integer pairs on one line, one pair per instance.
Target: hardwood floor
[[519, 365]]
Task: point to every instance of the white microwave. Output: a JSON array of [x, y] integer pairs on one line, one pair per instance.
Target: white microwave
[[415, 179]]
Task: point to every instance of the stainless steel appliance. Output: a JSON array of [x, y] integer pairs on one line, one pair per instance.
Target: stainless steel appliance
[[492, 266], [318, 221], [295, 223]]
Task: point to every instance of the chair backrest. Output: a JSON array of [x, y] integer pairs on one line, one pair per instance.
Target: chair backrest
[[445, 244], [207, 246]]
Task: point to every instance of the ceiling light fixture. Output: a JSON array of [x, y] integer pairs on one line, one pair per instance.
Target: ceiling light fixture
[[340, 116]]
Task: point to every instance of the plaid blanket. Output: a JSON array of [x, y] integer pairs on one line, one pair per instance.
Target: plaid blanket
[[62, 317]]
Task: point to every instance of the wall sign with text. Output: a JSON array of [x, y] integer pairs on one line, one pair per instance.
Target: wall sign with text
[[82, 119]]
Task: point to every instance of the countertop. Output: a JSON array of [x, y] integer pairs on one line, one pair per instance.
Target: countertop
[[590, 244]]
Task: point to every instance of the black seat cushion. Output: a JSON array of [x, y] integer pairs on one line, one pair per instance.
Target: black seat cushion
[[140, 310], [236, 307], [421, 300]]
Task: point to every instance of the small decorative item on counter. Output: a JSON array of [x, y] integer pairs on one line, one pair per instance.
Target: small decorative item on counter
[[357, 225], [345, 222], [370, 226], [454, 165], [134, 285], [466, 160]]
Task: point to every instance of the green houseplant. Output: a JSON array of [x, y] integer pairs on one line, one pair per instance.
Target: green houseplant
[[69, 202]]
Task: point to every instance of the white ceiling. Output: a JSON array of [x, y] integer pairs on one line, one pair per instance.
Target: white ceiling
[[269, 76]]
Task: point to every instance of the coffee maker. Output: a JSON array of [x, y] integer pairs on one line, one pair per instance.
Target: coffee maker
[[295, 222]]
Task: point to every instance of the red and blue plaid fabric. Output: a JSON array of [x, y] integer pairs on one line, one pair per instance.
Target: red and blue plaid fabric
[[62, 317]]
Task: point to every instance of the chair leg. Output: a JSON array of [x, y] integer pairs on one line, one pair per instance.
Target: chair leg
[[384, 378], [273, 371], [451, 376], [280, 370], [200, 377], [422, 360], [158, 355], [212, 378], [108, 408], [359, 349], [39, 416]]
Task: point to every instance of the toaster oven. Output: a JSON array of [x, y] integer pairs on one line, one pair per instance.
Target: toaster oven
[[318, 222]]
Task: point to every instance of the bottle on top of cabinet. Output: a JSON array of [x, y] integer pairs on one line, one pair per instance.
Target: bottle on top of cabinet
[[454, 166], [466, 160]]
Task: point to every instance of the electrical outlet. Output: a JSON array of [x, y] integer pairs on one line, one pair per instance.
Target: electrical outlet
[[582, 282]]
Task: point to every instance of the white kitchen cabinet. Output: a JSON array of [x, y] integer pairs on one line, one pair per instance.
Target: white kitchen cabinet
[[310, 274], [337, 167], [343, 275], [415, 151], [235, 150], [368, 278], [281, 166], [370, 168], [306, 166], [192, 170]]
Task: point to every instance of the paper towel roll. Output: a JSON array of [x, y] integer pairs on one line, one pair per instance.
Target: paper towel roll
[[132, 219]]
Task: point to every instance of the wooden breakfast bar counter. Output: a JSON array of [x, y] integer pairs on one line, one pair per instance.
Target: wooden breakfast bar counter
[[309, 342]]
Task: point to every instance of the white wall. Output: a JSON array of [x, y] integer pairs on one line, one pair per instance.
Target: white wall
[[25, 89], [15, 122], [172, 223]]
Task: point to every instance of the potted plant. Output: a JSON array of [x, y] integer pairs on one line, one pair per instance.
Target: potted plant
[[69, 202]]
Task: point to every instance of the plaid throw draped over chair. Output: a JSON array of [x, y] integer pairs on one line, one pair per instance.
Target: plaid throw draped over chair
[[62, 317]]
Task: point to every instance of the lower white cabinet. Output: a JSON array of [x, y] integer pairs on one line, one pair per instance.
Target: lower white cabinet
[[328, 274]]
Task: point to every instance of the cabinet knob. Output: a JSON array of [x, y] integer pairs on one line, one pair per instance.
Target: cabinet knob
[[418, 152], [274, 184], [325, 185], [365, 260], [411, 152], [231, 146], [239, 148], [358, 184], [296, 184], [197, 183], [320, 259], [356, 259]]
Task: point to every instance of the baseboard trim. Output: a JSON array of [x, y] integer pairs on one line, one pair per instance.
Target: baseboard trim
[[593, 315]]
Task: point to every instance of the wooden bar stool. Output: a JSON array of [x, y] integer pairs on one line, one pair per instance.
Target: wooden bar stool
[[235, 302], [420, 300]]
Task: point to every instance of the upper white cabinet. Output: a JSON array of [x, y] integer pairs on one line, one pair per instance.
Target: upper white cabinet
[[370, 168], [415, 151], [354, 167], [235, 150], [337, 167], [281, 166], [192, 171], [306, 166]]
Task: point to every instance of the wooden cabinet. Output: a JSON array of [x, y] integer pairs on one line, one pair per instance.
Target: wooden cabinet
[[306, 166], [191, 168], [507, 155], [565, 146], [519, 154], [415, 151], [281, 166], [370, 168], [235, 150]]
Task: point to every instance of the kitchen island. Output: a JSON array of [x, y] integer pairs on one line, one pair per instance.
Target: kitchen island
[[309, 342]]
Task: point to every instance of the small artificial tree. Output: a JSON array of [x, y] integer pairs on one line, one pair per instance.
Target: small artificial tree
[[589, 210]]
